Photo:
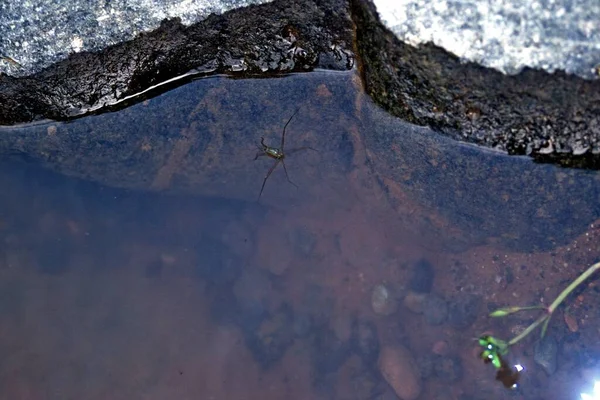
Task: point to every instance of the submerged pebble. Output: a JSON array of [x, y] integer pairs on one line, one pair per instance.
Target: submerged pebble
[[415, 302], [367, 341], [463, 310], [422, 277], [400, 371], [448, 369], [445, 368], [383, 300], [435, 310]]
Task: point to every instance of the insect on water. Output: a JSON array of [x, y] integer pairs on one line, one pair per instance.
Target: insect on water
[[278, 155]]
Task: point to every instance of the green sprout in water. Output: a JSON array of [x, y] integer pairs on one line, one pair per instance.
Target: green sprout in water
[[495, 349]]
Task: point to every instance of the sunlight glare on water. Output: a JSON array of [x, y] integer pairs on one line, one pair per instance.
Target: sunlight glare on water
[[595, 395]]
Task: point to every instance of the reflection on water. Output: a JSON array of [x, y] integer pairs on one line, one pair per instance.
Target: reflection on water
[[370, 281]]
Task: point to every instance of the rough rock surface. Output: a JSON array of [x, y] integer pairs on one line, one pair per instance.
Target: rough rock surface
[[273, 38], [550, 117]]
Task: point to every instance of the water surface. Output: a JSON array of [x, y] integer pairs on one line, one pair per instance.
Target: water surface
[[136, 263]]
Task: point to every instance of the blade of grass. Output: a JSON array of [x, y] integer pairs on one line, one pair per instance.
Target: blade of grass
[[563, 295]]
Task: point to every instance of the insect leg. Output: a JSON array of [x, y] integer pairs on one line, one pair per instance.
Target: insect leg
[[259, 154], [285, 126], [286, 174], [297, 149], [267, 177]]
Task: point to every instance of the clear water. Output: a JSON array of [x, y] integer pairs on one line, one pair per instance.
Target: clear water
[[151, 271]]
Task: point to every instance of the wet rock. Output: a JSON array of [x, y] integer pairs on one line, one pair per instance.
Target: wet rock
[[383, 300], [330, 352], [366, 341], [303, 241], [435, 310], [422, 277], [440, 348], [342, 327], [528, 113], [448, 369], [426, 365], [366, 382], [401, 372], [415, 302], [445, 368], [545, 354], [269, 342], [266, 39], [509, 276], [463, 310]]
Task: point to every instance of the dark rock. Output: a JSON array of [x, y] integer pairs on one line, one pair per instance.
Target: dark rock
[[508, 275], [550, 117], [366, 341], [270, 340], [423, 274], [366, 383], [329, 352], [448, 369], [545, 354], [435, 310], [426, 365], [463, 310], [273, 38]]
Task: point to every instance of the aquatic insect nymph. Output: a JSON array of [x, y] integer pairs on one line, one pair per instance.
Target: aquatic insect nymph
[[278, 155]]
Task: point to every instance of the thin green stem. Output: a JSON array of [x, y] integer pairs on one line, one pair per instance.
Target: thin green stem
[[503, 312], [518, 309], [563, 295], [529, 329], [545, 326]]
